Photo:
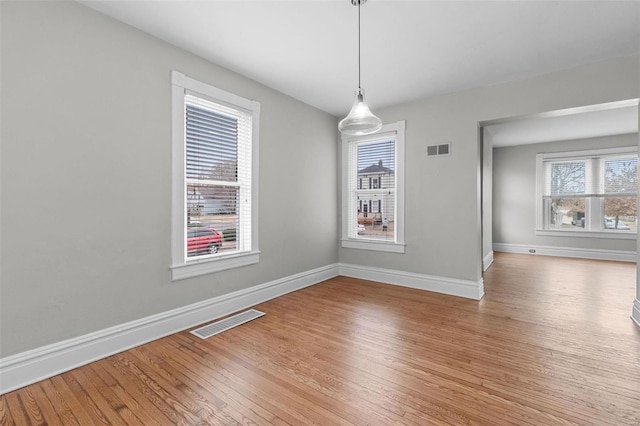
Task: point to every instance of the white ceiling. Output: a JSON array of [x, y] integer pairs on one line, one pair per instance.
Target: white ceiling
[[410, 49], [577, 123]]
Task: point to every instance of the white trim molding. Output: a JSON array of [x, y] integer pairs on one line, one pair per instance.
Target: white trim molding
[[207, 266], [373, 245], [349, 238], [635, 313], [619, 255], [452, 286], [594, 220], [608, 234], [38, 364], [247, 112], [487, 261]]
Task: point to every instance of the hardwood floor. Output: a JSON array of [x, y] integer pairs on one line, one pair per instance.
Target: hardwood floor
[[550, 343]]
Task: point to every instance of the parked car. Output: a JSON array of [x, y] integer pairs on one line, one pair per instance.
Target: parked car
[[360, 228], [203, 241], [193, 223], [579, 222], [610, 223], [577, 219]]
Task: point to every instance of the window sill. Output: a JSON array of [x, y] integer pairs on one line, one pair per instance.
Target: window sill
[[373, 245], [616, 235], [196, 268]]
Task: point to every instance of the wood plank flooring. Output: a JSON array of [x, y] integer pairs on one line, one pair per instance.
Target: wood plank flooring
[[551, 343]]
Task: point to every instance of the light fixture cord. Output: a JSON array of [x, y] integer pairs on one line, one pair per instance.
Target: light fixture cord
[[359, 86]]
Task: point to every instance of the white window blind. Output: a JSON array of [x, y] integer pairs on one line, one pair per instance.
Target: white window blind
[[218, 173], [372, 188], [214, 189], [566, 178], [620, 176]]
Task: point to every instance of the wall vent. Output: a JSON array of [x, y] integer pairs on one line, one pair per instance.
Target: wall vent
[[226, 324], [439, 150]]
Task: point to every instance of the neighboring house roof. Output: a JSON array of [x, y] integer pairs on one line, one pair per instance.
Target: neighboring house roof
[[375, 168]]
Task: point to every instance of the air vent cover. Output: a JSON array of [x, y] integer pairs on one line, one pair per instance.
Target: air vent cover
[[227, 323], [439, 150]]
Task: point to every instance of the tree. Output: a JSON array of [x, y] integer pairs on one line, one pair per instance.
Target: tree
[[567, 179], [621, 181]]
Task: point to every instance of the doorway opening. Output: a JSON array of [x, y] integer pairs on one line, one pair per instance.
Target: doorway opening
[[510, 179]]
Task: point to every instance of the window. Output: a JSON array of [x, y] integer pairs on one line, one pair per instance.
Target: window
[[373, 216], [594, 193], [215, 137]]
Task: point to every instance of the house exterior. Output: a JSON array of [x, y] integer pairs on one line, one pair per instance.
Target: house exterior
[[376, 193]]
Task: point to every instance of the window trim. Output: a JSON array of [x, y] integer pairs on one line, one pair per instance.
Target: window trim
[[576, 155], [181, 268], [396, 129]]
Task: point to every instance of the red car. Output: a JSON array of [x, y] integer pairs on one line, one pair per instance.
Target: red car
[[203, 241]]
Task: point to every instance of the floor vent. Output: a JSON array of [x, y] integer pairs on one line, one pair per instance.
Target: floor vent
[[227, 323]]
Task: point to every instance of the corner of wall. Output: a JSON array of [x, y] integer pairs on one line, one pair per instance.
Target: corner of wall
[[451, 286], [487, 261]]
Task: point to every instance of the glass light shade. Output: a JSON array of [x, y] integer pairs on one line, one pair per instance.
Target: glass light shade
[[360, 120]]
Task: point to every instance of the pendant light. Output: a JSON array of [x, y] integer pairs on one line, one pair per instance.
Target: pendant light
[[360, 120]]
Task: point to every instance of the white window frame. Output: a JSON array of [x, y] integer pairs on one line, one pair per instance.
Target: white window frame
[[596, 157], [394, 131], [183, 267]]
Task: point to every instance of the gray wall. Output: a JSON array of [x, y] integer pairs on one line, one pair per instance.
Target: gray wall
[[85, 173], [86, 177], [487, 193], [514, 189], [442, 193]]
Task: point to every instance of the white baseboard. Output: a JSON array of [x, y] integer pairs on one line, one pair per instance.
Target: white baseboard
[[455, 287], [623, 256], [31, 366], [487, 261], [635, 314]]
